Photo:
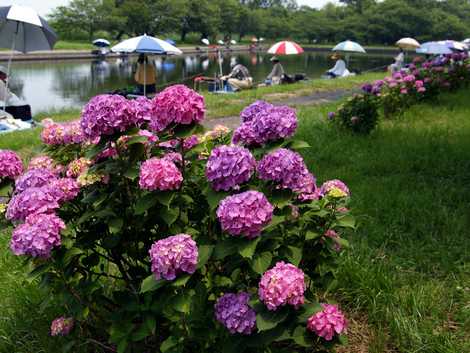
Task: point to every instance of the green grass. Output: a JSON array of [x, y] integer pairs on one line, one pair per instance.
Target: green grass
[[409, 267], [73, 45]]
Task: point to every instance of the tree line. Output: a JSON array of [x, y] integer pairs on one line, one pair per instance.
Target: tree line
[[366, 21]]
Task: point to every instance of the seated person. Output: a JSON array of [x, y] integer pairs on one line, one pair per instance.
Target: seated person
[[339, 70], [276, 74], [399, 61], [239, 78], [145, 75], [13, 105]]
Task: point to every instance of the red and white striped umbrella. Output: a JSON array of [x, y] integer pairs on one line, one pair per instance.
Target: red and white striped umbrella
[[285, 48]]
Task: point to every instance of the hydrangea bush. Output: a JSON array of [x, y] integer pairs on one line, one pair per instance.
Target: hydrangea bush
[[419, 81], [155, 236]]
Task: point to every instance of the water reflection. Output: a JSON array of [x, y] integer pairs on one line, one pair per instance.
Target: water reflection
[[59, 84]]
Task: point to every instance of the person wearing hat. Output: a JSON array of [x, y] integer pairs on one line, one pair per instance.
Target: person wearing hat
[[277, 72], [239, 78], [13, 105], [339, 70]]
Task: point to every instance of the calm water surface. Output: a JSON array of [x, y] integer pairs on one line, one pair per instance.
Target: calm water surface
[[70, 84]]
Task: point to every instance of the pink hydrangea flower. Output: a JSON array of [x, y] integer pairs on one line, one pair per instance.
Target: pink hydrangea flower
[[330, 233], [190, 142], [232, 311], [334, 188], [11, 165], [174, 157], [288, 169], [45, 162], [62, 326], [160, 174], [106, 114], [328, 322], [32, 201], [34, 178], [69, 189], [62, 133], [283, 284], [245, 214], [151, 138], [38, 236], [174, 255], [176, 104], [142, 109], [77, 167], [229, 166]]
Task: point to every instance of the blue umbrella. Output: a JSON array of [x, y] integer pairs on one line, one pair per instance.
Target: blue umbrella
[[434, 48], [349, 46], [146, 44], [102, 43], [171, 41]]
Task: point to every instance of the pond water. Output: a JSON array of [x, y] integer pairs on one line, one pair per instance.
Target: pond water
[[49, 85]]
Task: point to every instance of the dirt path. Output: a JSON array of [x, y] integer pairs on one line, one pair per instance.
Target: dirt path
[[316, 98]]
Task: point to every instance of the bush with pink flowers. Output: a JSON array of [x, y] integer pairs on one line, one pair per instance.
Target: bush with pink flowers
[[159, 237], [393, 95]]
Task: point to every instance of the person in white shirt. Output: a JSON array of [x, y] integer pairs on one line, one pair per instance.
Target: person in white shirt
[[399, 61], [11, 102], [340, 69]]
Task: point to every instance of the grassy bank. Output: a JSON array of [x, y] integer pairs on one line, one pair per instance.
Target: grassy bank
[[406, 279]]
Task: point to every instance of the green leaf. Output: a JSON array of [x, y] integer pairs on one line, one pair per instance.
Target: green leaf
[[312, 235], [247, 248], [146, 329], [144, 203], [132, 173], [122, 346], [225, 248], [187, 130], [151, 284], [266, 320], [343, 339], [182, 303], [294, 255], [307, 310], [281, 198], [164, 197], [261, 262], [136, 139], [70, 254], [181, 281], [214, 197], [298, 145], [93, 151], [115, 225], [276, 220], [169, 215], [205, 252], [168, 344], [346, 221], [300, 337], [221, 281]]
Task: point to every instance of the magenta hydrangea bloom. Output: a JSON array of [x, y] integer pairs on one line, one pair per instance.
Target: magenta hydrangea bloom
[[176, 104], [62, 133], [77, 167], [142, 109], [151, 138], [159, 174], [334, 188], [245, 214], [232, 311], [32, 201], [174, 255], [328, 322], [229, 166], [11, 165], [45, 162], [190, 142], [174, 157], [34, 178], [38, 236], [250, 112], [62, 326], [270, 124], [106, 114], [288, 169], [68, 187], [281, 285]]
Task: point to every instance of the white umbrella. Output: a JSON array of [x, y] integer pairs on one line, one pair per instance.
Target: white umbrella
[[101, 42], [349, 46], [408, 43], [434, 48], [146, 45], [285, 48], [22, 29]]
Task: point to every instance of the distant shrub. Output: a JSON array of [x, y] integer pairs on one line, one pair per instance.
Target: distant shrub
[[358, 114]]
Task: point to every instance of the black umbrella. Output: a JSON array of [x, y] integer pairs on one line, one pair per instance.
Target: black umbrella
[[22, 29]]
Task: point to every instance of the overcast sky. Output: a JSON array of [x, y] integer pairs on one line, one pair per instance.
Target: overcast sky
[[45, 6]]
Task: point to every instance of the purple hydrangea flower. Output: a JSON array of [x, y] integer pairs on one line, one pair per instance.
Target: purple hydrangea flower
[[229, 166], [68, 187], [245, 134], [106, 114], [142, 109], [62, 326], [34, 178], [176, 104], [38, 236], [159, 174], [288, 169], [33, 201], [334, 188], [173, 255], [328, 322], [281, 285], [253, 109], [331, 115], [232, 311], [45, 162], [245, 214], [190, 142], [11, 165]]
